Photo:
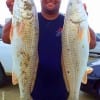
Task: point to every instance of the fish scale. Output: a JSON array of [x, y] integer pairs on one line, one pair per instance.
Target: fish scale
[[75, 47], [24, 42]]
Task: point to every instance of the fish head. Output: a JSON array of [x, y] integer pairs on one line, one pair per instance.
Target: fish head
[[76, 11], [24, 8]]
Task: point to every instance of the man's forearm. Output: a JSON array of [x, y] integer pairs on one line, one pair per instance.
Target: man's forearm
[[6, 32], [92, 38]]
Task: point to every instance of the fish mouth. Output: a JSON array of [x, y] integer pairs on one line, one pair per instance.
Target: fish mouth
[[76, 21]]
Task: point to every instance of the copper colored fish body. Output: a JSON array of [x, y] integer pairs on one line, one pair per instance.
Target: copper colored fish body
[[75, 47], [24, 41]]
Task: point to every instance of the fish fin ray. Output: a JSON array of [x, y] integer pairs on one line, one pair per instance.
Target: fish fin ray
[[80, 33], [88, 71], [14, 79], [20, 28]]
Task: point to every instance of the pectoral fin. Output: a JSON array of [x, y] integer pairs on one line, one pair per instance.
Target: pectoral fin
[[80, 33], [14, 79], [88, 71]]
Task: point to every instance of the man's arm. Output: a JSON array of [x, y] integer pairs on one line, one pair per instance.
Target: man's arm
[[92, 39], [6, 32]]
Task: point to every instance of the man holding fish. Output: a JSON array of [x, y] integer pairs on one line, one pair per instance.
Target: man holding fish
[[49, 84]]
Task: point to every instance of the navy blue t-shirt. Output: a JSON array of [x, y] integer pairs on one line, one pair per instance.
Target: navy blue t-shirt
[[49, 82]]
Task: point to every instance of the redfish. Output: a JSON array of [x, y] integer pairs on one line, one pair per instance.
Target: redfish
[[75, 47], [24, 42]]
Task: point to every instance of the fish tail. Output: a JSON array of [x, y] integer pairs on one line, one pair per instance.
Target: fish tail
[[73, 96]]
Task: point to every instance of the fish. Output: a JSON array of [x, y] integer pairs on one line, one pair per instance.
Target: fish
[[75, 47], [24, 43]]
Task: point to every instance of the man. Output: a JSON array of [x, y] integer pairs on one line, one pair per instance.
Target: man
[[49, 83]]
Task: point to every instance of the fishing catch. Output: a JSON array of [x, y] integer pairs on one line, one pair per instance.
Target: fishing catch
[[75, 47], [24, 42]]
